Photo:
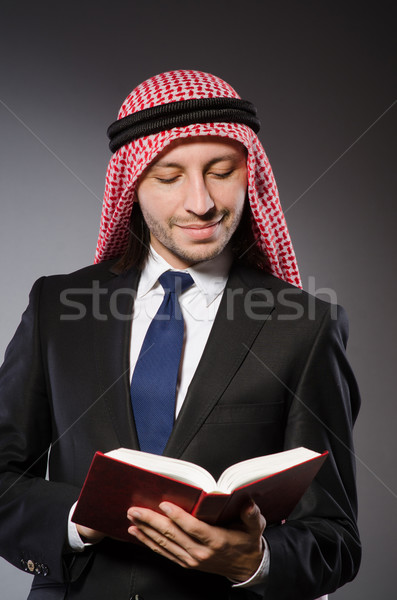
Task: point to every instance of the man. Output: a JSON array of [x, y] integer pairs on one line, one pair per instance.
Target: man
[[261, 368]]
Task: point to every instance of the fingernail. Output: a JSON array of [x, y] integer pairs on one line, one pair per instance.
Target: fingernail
[[165, 508], [134, 513]]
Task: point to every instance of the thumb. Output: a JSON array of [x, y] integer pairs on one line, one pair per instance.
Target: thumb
[[252, 517]]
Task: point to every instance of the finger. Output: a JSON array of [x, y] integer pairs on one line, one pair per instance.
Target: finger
[[89, 535], [147, 519], [163, 532], [150, 543], [193, 527], [188, 557]]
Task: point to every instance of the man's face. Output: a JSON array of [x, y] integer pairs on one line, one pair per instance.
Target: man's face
[[192, 197]]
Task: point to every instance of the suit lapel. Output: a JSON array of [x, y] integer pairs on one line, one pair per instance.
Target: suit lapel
[[112, 329], [232, 335]]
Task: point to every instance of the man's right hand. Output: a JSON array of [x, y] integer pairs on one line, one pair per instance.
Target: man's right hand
[[90, 536]]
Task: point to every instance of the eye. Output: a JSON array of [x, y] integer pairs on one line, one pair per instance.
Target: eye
[[167, 180], [223, 175]]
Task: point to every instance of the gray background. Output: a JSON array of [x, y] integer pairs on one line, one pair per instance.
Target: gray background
[[321, 75]]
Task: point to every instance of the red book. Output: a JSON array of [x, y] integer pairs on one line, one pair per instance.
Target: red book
[[124, 478]]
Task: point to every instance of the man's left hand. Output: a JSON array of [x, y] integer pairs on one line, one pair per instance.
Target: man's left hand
[[235, 552]]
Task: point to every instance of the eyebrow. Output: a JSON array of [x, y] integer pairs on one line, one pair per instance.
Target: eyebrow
[[225, 157]]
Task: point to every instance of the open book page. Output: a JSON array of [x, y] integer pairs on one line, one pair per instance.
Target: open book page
[[252, 469], [237, 475], [180, 470]]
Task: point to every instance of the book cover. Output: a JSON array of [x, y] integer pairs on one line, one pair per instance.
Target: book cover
[[112, 486]]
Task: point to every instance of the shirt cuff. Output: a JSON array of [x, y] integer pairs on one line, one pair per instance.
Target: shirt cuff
[[260, 575], [74, 540]]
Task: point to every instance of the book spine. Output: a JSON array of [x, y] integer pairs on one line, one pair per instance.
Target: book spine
[[209, 507]]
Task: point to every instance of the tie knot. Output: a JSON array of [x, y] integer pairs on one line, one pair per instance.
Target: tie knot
[[175, 282]]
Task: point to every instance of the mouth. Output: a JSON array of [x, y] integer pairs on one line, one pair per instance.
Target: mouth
[[201, 231]]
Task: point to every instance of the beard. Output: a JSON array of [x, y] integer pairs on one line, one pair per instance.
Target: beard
[[196, 251]]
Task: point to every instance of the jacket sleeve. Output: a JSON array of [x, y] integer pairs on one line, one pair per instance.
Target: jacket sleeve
[[33, 511], [318, 549]]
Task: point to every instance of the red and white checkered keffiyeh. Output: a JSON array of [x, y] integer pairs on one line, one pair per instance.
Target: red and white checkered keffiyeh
[[127, 164]]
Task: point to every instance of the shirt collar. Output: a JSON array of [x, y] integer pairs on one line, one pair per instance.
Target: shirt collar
[[209, 276]]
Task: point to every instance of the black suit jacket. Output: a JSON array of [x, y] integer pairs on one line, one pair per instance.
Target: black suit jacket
[[273, 376]]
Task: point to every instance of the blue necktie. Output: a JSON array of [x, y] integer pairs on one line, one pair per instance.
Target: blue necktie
[[153, 385]]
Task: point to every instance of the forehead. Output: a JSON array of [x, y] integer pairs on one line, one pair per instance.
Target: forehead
[[202, 148]]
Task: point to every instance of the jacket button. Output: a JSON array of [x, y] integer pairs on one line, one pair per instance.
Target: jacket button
[[30, 565], [44, 570], [24, 565]]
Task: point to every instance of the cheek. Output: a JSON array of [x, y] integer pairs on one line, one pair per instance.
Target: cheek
[[234, 199], [157, 207], [232, 193]]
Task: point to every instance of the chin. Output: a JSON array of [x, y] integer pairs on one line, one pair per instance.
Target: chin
[[196, 255]]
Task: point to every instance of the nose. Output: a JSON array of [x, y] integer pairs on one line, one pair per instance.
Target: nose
[[198, 199]]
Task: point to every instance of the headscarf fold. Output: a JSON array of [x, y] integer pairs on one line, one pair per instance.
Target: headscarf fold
[[131, 159]]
